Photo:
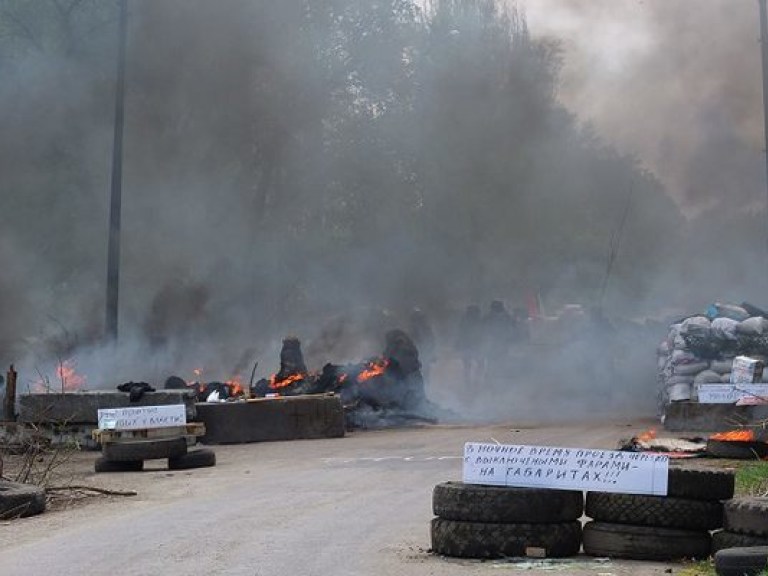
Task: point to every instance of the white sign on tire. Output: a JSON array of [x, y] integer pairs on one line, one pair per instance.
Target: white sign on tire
[[566, 468]]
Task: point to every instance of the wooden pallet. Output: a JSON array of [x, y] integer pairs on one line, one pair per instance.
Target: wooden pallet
[[191, 429]]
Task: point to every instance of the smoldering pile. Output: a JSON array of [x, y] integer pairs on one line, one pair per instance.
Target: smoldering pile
[[701, 349], [379, 391]]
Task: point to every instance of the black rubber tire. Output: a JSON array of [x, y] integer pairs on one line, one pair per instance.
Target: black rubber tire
[[20, 500], [493, 540], [700, 483], [723, 539], [104, 465], [195, 459], [145, 449], [747, 516], [741, 561], [737, 450], [659, 511], [644, 542], [475, 503]]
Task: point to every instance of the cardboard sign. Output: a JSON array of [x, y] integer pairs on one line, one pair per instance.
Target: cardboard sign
[[730, 393], [142, 417], [566, 468]]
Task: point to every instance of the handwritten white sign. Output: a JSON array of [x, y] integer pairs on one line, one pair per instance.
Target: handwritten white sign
[[566, 468], [730, 393], [140, 417]]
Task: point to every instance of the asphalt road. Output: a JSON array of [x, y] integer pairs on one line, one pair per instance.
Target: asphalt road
[[360, 505]]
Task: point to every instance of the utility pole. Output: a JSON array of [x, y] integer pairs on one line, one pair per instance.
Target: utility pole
[[764, 51], [115, 206]]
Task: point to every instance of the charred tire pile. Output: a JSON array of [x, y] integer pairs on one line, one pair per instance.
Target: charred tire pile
[[659, 527], [476, 521], [746, 524]]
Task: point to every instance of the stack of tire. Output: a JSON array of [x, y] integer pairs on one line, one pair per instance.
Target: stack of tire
[[475, 521], [660, 528], [745, 522], [129, 455]]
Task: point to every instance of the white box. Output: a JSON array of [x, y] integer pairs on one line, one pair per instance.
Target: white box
[[746, 370]]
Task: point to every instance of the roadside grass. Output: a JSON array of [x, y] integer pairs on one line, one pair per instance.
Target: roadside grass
[[752, 479], [700, 568]]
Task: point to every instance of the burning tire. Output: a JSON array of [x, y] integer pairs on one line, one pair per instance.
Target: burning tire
[[475, 503], [644, 542], [494, 540], [145, 449], [723, 539], [104, 465], [20, 500], [747, 516], [741, 561], [195, 459], [659, 511], [700, 483], [737, 450]]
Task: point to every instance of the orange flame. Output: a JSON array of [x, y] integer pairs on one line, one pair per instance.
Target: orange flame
[[647, 436], [373, 369], [235, 386], [69, 378], [735, 436], [275, 384]]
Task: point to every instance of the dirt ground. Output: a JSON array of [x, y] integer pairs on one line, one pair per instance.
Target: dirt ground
[[356, 505]]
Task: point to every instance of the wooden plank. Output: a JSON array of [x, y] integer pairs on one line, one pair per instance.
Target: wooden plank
[[191, 429], [10, 395]]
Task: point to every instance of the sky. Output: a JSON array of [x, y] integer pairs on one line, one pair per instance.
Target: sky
[[675, 82]]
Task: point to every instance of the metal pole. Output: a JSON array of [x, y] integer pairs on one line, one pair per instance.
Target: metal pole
[[764, 51], [115, 206]]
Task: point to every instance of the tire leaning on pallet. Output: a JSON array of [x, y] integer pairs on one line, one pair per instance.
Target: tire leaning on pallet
[[700, 483], [104, 465], [145, 449], [659, 511], [195, 459], [496, 540], [741, 561], [747, 515], [19, 500], [644, 542], [723, 539], [476, 503]]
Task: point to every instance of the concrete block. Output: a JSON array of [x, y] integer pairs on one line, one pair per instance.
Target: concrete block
[[82, 407], [266, 419], [695, 417]]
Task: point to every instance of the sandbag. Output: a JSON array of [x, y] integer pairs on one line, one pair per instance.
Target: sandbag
[[690, 369], [696, 326], [672, 380], [731, 311], [707, 377], [724, 328], [725, 378], [721, 366], [683, 357], [755, 326]]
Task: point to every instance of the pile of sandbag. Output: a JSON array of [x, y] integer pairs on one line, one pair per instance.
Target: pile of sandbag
[[701, 349]]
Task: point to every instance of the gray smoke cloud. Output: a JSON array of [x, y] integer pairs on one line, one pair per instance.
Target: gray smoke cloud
[[677, 83], [308, 170]]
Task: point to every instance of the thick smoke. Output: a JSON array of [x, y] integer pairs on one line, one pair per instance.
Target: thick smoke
[[318, 169], [677, 83]]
